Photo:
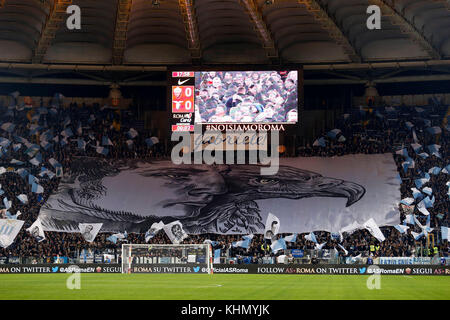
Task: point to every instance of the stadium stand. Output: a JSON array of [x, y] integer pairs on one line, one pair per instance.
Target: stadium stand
[[135, 46], [367, 131]]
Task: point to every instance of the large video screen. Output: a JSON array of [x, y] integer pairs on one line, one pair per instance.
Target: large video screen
[[246, 97], [233, 97]]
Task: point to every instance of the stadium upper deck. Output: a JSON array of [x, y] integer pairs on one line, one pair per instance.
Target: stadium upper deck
[[161, 32]]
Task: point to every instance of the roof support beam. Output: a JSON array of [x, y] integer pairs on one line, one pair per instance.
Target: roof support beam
[[406, 27], [52, 24], [310, 67], [407, 79], [261, 28], [328, 23], [146, 83], [84, 67], [191, 28], [79, 82], [120, 32]]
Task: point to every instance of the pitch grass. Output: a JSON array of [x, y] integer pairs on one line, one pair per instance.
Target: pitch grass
[[221, 287]]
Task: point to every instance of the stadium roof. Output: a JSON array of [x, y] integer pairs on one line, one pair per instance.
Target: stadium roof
[[165, 32]]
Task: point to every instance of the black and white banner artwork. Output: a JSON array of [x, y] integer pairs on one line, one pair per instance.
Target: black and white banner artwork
[[307, 194]]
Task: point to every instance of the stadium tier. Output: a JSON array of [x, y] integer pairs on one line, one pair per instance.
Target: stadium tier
[[374, 186]]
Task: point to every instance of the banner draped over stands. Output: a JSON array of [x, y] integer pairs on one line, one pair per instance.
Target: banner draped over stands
[[307, 194]]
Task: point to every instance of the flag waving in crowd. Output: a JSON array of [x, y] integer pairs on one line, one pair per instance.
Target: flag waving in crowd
[[89, 230], [244, 243], [277, 245], [175, 232], [153, 230], [272, 226], [37, 231], [9, 228], [374, 230]]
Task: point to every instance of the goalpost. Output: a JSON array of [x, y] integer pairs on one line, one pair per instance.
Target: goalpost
[[167, 258]]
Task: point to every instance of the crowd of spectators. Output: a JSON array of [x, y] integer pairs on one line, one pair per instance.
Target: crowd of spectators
[[367, 131], [385, 129]]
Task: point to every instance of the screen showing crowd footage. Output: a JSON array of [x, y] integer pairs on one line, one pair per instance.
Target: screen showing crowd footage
[[246, 97]]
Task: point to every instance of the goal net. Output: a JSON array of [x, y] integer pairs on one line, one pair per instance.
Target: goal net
[[167, 258]]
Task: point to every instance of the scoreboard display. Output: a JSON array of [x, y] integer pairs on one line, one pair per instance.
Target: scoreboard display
[[182, 99], [233, 97], [182, 85]]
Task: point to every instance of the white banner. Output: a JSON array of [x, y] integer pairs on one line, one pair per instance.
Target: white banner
[[175, 232], [9, 228], [89, 230], [374, 230], [326, 209], [37, 231], [405, 260], [272, 226], [307, 194], [230, 142], [153, 230]]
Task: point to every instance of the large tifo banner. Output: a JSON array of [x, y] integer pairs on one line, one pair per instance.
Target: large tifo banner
[[307, 194]]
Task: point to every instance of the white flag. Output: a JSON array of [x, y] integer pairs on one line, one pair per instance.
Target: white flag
[[217, 256], [7, 203], [272, 226], [351, 228], [37, 231], [425, 228], [409, 219], [277, 245], [291, 238], [9, 228], [444, 233], [132, 133], [428, 191], [35, 161], [153, 230], [319, 246], [53, 162], [401, 228], [407, 201], [311, 237], [418, 223], [421, 207], [345, 251], [416, 235], [89, 230], [175, 232], [416, 147], [23, 198], [121, 235], [372, 227]]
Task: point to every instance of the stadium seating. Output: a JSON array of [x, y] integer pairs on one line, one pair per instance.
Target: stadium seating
[[376, 135]]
